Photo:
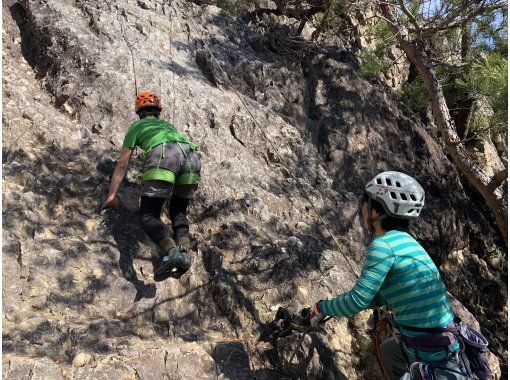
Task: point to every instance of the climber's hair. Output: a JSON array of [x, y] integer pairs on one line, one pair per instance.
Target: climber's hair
[[389, 223], [149, 111]]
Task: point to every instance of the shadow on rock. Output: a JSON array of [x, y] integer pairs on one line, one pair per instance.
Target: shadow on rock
[[127, 232]]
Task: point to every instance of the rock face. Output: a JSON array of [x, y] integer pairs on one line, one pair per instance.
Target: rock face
[[79, 299]]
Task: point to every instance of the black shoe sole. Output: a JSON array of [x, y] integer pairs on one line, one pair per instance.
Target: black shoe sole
[[169, 273], [166, 269]]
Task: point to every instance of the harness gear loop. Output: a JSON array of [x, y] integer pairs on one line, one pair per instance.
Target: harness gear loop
[[161, 154], [185, 156]]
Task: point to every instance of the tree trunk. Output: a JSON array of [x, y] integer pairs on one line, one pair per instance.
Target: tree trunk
[[467, 166], [462, 104]]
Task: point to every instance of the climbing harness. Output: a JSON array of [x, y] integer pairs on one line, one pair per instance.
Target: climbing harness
[[190, 178], [471, 356], [160, 169]]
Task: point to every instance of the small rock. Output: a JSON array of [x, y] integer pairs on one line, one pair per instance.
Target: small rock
[[27, 116], [96, 128], [39, 303], [301, 226], [141, 29], [82, 359], [303, 292], [457, 256], [69, 109], [142, 4], [31, 324], [91, 224], [97, 273]]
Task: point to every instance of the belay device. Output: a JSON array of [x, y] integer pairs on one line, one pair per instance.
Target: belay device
[[286, 323]]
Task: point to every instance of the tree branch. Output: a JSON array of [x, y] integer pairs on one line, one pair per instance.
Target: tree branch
[[251, 16], [443, 120], [411, 17], [475, 135], [457, 12], [497, 179], [460, 23]]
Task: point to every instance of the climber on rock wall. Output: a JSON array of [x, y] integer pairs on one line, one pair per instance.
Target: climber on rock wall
[[399, 273], [171, 170]]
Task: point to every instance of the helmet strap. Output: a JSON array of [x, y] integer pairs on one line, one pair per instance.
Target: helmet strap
[[370, 220], [148, 112]]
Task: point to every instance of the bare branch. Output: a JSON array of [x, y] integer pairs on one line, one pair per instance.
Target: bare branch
[[398, 59], [450, 22], [457, 12], [470, 118], [474, 136], [497, 179], [385, 19], [409, 15], [450, 65]]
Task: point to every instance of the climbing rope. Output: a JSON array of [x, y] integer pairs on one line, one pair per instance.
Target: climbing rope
[[307, 196], [380, 329], [130, 51], [321, 218]]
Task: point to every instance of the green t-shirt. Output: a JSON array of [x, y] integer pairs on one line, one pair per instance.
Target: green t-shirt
[[150, 132]]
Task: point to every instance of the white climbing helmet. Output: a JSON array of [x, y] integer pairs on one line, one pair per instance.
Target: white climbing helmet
[[401, 195]]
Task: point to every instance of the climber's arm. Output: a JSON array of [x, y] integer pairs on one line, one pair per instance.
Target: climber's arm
[[117, 177], [378, 263]]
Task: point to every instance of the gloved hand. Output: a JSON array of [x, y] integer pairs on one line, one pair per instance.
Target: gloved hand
[[316, 316]]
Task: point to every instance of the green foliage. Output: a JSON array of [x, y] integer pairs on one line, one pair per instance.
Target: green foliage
[[470, 61], [487, 79], [372, 65], [375, 60], [414, 95], [333, 19], [490, 32]]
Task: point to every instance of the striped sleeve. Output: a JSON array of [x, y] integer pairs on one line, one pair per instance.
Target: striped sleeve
[[378, 262]]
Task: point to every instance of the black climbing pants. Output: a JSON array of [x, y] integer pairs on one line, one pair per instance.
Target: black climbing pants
[[178, 216], [150, 215]]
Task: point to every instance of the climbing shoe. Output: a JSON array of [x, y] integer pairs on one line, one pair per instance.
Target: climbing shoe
[[174, 264]]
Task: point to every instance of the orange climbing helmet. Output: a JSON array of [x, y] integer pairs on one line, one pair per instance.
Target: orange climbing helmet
[[147, 99]]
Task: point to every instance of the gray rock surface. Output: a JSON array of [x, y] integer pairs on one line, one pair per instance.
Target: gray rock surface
[[79, 300]]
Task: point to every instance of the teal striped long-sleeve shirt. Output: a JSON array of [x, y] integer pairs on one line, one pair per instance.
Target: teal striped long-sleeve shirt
[[399, 273]]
